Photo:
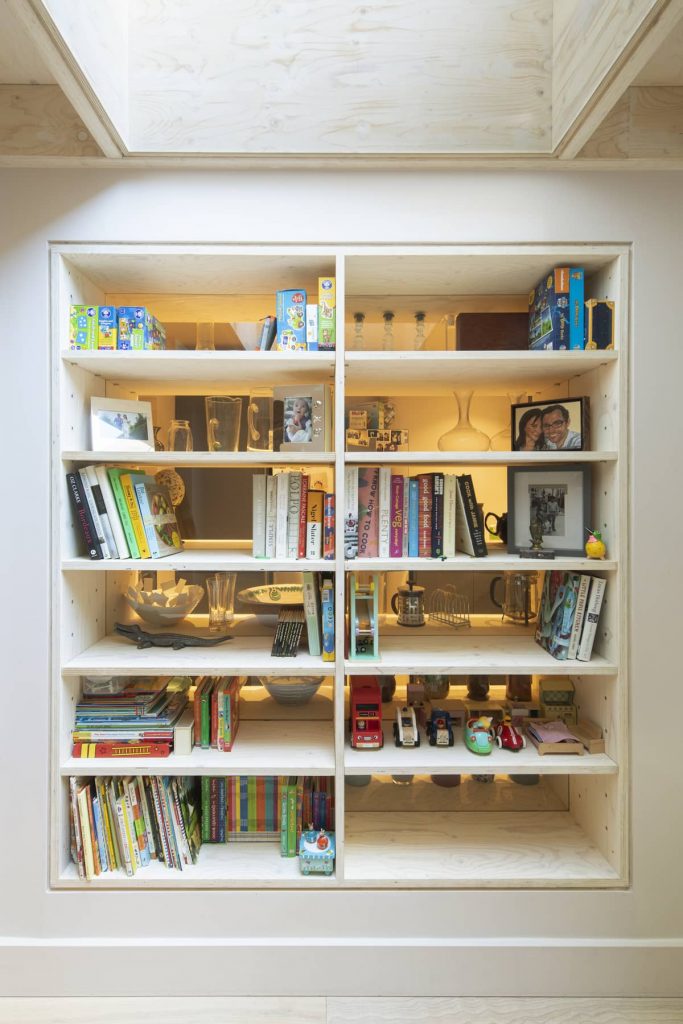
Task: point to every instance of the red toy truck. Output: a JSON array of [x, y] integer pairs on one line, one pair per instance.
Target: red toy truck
[[365, 721]]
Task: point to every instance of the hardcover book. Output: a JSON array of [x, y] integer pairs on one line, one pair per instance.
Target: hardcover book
[[368, 511], [469, 528], [158, 518]]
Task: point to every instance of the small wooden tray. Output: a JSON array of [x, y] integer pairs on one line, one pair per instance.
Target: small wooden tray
[[590, 735], [567, 747]]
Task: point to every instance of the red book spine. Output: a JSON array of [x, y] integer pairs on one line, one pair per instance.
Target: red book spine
[[425, 485], [328, 527], [121, 750], [396, 528], [303, 512]]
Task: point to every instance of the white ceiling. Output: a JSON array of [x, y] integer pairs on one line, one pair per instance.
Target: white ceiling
[[20, 62]]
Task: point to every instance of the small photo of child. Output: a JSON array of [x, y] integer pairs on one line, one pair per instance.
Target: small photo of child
[[298, 419]]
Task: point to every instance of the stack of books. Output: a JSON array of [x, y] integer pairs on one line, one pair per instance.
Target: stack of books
[[568, 614], [136, 721], [290, 519], [124, 823], [123, 513], [431, 515], [216, 711]]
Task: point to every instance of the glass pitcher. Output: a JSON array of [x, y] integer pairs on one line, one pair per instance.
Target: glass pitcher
[[260, 420], [223, 418]]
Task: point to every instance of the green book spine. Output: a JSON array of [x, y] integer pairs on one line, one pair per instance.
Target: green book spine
[[122, 507], [205, 738], [284, 794], [291, 817], [206, 809], [252, 812]]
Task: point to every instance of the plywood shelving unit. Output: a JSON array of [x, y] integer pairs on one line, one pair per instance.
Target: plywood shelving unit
[[571, 830]]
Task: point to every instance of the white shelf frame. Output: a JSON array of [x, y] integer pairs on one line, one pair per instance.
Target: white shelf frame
[[354, 373]]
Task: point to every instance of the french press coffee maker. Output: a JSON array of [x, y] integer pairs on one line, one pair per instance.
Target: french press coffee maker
[[408, 604], [520, 596]]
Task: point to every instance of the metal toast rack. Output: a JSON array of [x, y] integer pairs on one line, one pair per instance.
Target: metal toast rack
[[448, 606]]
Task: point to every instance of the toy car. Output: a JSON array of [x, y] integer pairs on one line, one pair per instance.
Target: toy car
[[316, 852], [479, 735], [406, 732], [508, 737], [440, 729]]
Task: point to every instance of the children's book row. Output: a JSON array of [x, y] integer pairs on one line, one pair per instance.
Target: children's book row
[[568, 614], [431, 515], [123, 513], [124, 823]]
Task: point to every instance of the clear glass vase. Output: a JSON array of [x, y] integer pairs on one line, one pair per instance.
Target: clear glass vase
[[463, 437], [502, 441]]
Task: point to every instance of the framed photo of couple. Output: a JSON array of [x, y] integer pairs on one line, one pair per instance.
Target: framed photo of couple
[[551, 426]]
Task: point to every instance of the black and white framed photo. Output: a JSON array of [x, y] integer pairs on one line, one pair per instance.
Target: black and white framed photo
[[558, 498], [551, 426], [303, 417], [120, 426]]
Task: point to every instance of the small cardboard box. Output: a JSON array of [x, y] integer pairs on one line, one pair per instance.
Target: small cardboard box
[[139, 330], [549, 311], [291, 319], [107, 334], [327, 313], [83, 327]]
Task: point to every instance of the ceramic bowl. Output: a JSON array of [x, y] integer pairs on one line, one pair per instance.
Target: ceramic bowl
[[150, 609], [292, 690], [248, 333]]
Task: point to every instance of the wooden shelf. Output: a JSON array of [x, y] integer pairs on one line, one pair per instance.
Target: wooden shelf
[[472, 850], [498, 560], [203, 460], [248, 656], [426, 760], [261, 748], [477, 458], [208, 370], [201, 560], [459, 653], [488, 373], [224, 865]]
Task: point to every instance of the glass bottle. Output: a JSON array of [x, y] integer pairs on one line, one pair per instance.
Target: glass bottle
[[358, 338], [463, 437], [419, 342], [179, 436], [388, 336], [502, 441]]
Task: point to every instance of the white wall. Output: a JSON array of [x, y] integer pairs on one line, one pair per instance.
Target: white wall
[[577, 943]]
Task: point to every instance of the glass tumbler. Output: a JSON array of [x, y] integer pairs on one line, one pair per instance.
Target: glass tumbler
[[220, 591], [179, 436], [205, 337], [223, 418]]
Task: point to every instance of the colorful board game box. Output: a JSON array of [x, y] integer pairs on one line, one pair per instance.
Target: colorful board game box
[[599, 325], [549, 311], [107, 322], [291, 320], [139, 329], [327, 313], [83, 327], [576, 307]]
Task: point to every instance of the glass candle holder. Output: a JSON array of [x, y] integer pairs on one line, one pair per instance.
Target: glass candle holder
[[205, 337], [180, 436], [220, 592]]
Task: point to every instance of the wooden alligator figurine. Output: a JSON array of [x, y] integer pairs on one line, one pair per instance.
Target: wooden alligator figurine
[[175, 640]]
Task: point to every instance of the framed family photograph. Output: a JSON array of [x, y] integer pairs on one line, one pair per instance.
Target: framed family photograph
[[551, 426], [120, 426], [560, 499], [303, 418]]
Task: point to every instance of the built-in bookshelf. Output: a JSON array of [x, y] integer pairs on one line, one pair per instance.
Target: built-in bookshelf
[[568, 830]]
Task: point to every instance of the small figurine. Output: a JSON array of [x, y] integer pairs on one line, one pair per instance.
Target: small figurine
[[508, 736], [595, 545], [536, 532], [479, 735], [440, 729], [406, 732]]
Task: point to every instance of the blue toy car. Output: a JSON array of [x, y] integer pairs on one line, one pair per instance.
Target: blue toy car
[[440, 729]]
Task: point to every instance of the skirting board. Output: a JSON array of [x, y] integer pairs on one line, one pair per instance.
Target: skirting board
[[539, 968]]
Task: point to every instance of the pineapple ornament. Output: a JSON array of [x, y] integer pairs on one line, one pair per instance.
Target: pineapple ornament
[[595, 546]]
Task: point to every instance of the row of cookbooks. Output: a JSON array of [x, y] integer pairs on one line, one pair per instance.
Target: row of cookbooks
[[123, 513], [125, 716], [122, 823], [268, 808], [431, 515], [291, 519], [568, 615]]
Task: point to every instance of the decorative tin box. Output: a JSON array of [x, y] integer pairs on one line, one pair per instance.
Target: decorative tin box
[[316, 852]]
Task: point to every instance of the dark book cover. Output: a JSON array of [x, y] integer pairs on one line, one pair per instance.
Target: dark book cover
[[437, 514], [424, 514], [83, 516], [469, 528]]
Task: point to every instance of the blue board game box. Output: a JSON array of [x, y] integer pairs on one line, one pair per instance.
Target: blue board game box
[[549, 311]]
